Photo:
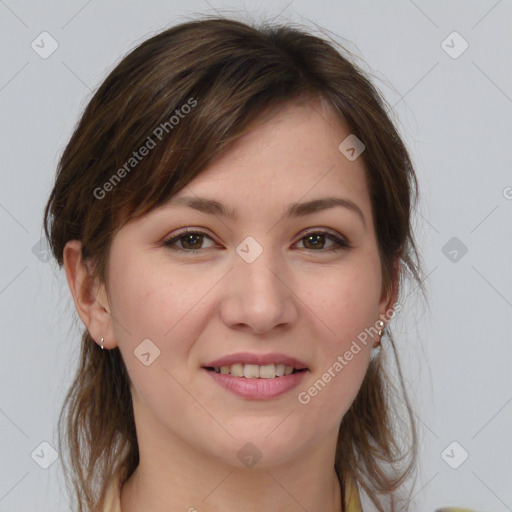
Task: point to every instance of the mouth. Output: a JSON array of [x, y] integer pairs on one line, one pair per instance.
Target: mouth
[[255, 376], [254, 382], [254, 371]]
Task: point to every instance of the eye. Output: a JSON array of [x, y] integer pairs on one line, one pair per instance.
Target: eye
[[191, 241], [315, 241]]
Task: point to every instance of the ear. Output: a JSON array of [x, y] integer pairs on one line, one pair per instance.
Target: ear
[[389, 298], [89, 295]]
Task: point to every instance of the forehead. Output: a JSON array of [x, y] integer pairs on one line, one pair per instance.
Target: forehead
[[293, 156]]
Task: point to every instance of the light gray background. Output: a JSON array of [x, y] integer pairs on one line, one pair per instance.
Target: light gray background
[[454, 114]]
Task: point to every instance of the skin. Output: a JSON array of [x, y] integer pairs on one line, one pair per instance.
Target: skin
[[307, 302]]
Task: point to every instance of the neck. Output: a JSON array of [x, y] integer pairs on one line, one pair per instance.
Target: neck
[[173, 476], [270, 490]]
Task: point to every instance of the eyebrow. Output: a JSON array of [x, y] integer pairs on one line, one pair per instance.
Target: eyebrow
[[213, 207]]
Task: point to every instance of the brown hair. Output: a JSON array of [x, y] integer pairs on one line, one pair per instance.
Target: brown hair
[[236, 74]]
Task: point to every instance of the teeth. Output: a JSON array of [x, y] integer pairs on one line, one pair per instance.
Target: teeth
[[237, 370], [268, 371], [254, 371], [251, 371]]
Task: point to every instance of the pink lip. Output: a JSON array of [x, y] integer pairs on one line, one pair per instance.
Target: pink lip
[[259, 359], [258, 389]]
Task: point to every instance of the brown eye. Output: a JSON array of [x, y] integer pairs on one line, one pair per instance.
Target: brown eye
[[316, 241], [191, 241]]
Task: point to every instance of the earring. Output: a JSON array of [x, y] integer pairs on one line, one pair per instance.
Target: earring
[[380, 326], [102, 343]]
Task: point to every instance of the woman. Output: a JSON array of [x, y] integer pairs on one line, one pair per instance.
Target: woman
[[233, 212]]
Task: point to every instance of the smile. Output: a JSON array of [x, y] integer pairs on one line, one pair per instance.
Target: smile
[[254, 371]]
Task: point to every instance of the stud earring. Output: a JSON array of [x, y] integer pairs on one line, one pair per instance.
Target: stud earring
[[102, 343]]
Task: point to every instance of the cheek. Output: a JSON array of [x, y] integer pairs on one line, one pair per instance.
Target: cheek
[[146, 299], [154, 326], [342, 311], [167, 308], [344, 303]]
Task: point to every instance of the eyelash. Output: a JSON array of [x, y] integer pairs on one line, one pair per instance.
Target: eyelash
[[340, 243]]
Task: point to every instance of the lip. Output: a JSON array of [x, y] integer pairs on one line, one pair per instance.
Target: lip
[[258, 389], [259, 359]]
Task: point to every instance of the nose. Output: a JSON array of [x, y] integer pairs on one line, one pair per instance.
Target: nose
[[259, 296]]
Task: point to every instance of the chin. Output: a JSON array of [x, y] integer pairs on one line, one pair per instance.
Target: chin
[[254, 450]]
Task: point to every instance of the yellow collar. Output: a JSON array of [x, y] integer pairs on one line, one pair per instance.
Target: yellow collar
[[352, 493]]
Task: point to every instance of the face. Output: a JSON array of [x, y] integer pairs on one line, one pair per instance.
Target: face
[[261, 283]]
